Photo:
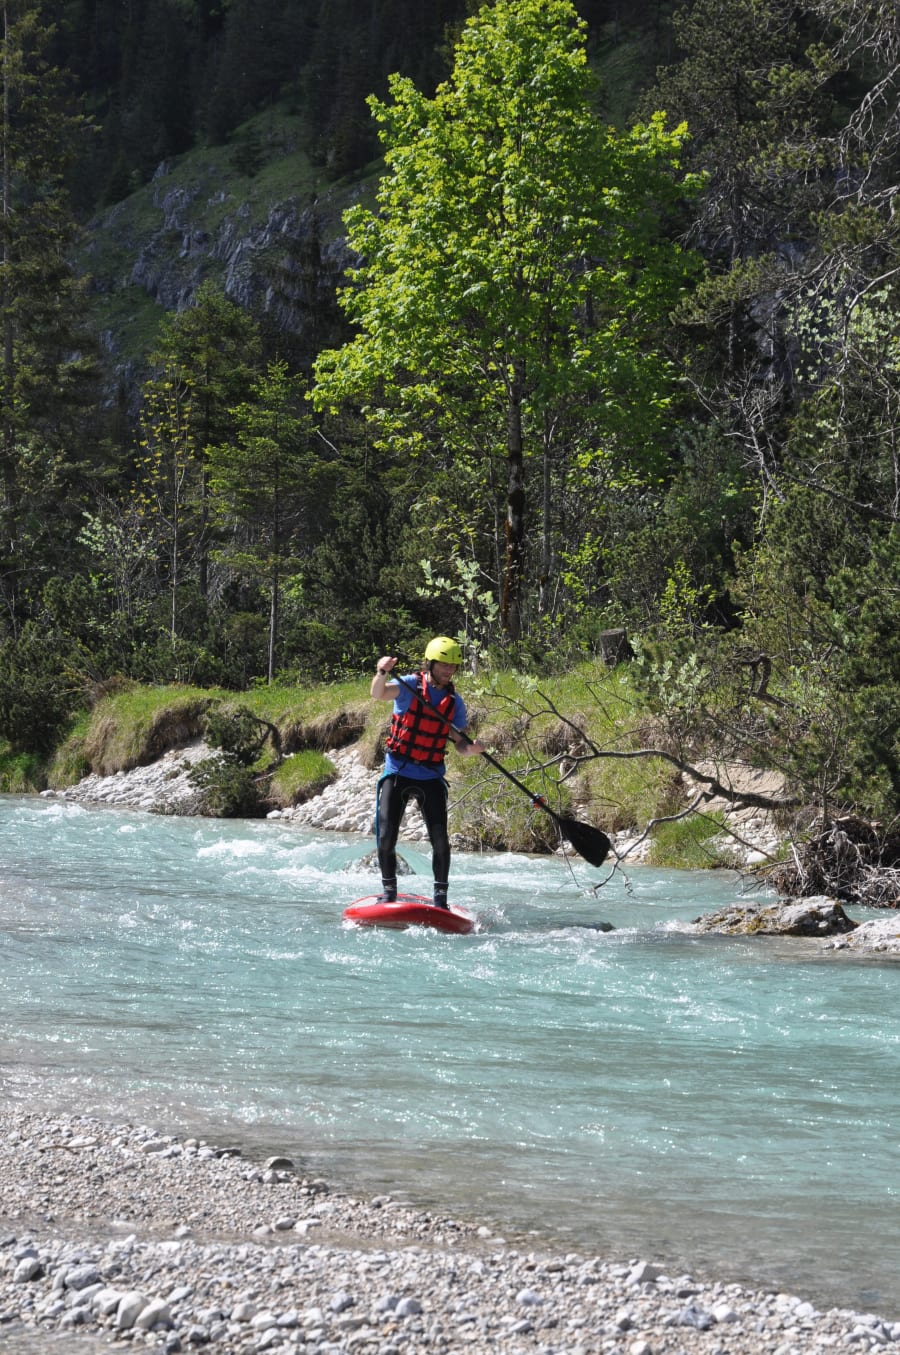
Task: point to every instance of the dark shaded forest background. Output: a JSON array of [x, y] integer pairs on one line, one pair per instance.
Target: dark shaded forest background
[[178, 510]]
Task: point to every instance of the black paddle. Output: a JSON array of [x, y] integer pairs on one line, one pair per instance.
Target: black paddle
[[589, 842]]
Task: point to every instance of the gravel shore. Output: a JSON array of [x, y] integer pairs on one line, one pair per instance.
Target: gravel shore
[[119, 1236]]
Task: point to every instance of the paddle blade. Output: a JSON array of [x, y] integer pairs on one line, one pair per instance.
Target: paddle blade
[[591, 843]]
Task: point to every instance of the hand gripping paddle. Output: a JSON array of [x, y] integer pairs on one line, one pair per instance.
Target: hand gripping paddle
[[589, 842]]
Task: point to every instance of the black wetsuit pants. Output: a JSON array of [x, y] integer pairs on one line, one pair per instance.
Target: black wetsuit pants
[[395, 793]]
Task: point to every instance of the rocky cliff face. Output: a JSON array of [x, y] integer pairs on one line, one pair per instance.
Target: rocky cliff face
[[249, 255], [277, 252]]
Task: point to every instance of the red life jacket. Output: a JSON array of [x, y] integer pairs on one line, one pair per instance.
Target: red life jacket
[[417, 733]]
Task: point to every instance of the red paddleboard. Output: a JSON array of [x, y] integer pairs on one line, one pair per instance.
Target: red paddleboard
[[408, 910]]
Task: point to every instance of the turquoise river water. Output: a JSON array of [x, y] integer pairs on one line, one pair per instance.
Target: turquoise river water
[[729, 1106]]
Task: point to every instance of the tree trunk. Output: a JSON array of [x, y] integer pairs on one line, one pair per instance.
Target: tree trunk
[[176, 525], [614, 646], [273, 625], [546, 525], [511, 603]]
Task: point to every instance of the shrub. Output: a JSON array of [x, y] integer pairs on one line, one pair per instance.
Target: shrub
[[229, 782], [229, 788], [20, 773], [38, 691]]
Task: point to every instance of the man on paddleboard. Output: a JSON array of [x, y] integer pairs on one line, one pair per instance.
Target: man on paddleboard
[[426, 705]]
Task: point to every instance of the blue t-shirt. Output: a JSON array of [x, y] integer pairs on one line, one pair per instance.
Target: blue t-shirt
[[407, 766]]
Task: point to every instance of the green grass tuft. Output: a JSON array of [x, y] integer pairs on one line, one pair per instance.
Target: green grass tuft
[[69, 762], [590, 705], [690, 844], [301, 776]]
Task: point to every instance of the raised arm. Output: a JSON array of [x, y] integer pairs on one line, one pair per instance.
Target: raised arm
[[383, 688]]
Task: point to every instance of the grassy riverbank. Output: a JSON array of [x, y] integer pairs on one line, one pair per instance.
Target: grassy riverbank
[[544, 733]]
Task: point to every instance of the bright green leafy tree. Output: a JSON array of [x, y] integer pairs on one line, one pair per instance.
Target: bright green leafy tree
[[515, 269]]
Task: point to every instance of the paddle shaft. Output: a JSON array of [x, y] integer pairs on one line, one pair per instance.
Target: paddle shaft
[[535, 799]]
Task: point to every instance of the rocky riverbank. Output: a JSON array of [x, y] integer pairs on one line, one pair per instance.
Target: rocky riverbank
[[165, 787], [161, 787], [347, 804], [118, 1235]]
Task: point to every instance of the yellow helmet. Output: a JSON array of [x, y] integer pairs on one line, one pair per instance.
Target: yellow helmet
[[444, 650]]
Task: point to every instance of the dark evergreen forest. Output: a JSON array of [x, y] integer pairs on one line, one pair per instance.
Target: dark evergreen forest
[[156, 75], [617, 352]]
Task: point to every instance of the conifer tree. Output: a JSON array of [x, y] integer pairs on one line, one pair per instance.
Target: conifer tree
[[43, 358], [206, 359], [262, 47], [262, 486]]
